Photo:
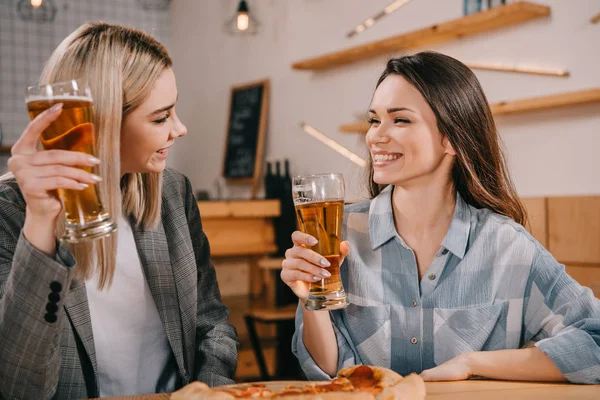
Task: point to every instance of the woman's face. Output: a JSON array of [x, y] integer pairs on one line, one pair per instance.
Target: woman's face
[[404, 141], [151, 129]]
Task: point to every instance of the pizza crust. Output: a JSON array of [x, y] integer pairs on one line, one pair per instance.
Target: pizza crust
[[199, 391]]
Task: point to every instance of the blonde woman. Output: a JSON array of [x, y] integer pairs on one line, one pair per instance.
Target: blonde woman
[[139, 312]]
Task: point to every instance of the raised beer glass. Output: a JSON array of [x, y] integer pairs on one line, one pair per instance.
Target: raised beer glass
[[73, 130], [319, 202]]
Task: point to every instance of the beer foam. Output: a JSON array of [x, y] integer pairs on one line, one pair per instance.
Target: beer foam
[[59, 98]]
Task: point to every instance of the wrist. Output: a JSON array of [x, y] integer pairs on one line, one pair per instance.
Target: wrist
[[40, 233], [470, 361]]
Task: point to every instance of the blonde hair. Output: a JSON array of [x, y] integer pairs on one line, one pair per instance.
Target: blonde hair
[[121, 65]]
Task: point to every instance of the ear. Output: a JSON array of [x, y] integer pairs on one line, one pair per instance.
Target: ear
[[448, 147]]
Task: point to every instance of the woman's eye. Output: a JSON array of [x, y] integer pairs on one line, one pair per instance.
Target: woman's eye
[[372, 121], [163, 119], [401, 121]]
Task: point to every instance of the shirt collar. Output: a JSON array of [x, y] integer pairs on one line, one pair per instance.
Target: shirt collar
[[382, 228]]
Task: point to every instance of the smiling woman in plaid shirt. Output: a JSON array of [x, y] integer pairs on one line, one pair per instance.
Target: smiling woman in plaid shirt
[[442, 278]]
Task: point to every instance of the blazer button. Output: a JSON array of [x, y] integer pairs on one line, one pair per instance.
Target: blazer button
[[414, 340], [54, 297], [55, 286], [51, 308], [51, 318], [431, 277]]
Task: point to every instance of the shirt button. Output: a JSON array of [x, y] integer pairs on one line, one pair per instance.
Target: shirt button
[[445, 251], [414, 303], [431, 277], [414, 340]]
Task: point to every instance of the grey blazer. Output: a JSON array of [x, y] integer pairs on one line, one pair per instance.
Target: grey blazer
[[46, 343]]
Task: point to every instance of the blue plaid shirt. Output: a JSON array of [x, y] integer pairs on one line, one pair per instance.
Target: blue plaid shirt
[[491, 286]]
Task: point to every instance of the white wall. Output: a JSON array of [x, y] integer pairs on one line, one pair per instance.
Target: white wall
[[550, 153]]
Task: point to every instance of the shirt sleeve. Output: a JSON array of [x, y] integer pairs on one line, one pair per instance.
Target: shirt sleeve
[[216, 338], [347, 355], [563, 319]]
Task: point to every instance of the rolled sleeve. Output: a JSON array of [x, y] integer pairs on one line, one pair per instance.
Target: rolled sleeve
[[564, 317], [346, 355]]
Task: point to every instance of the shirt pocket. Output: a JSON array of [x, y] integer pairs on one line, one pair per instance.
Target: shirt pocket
[[369, 328], [461, 330]]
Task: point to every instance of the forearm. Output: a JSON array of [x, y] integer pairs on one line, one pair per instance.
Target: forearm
[[529, 364], [319, 339], [216, 360], [29, 332]]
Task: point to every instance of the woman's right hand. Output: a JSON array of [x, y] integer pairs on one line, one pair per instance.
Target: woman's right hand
[[303, 265], [40, 173]]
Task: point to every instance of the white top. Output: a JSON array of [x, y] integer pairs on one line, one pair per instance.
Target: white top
[[132, 350]]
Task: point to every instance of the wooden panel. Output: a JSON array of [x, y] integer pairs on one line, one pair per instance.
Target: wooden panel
[[538, 218], [574, 229], [595, 19], [232, 275], [238, 237], [495, 18], [587, 276], [248, 367], [239, 209], [270, 263], [5, 149]]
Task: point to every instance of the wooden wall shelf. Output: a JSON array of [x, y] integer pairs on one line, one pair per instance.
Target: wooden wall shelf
[[514, 107], [546, 102], [510, 14], [5, 149]]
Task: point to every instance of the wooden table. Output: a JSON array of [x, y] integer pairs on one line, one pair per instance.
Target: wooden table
[[483, 390]]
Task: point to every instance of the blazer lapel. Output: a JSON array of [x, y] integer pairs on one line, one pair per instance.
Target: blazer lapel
[[153, 250], [78, 311]]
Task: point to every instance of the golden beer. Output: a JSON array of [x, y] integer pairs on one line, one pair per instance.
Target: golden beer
[[73, 130], [323, 221], [319, 202]]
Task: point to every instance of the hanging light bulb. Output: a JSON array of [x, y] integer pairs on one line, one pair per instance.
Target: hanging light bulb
[[36, 3], [242, 21]]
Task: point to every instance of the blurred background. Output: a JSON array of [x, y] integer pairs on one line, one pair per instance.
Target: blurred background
[[537, 62]]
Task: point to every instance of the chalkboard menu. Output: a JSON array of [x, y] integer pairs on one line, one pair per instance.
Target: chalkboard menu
[[244, 141]]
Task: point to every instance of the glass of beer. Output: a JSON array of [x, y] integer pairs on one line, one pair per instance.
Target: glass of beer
[[73, 130], [319, 202]]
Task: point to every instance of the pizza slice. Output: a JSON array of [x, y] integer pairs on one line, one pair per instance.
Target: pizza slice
[[361, 382]]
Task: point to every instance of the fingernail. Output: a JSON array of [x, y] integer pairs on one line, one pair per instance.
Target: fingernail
[[56, 107], [83, 185], [325, 273], [316, 278], [312, 240], [93, 160], [324, 262], [95, 177]]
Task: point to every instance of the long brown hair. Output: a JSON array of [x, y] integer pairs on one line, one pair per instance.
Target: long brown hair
[[463, 115]]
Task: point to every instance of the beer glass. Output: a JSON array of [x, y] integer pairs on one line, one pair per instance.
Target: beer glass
[[73, 130], [319, 202]]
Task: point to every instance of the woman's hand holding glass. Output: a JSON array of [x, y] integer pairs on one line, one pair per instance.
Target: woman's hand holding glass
[[303, 265]]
